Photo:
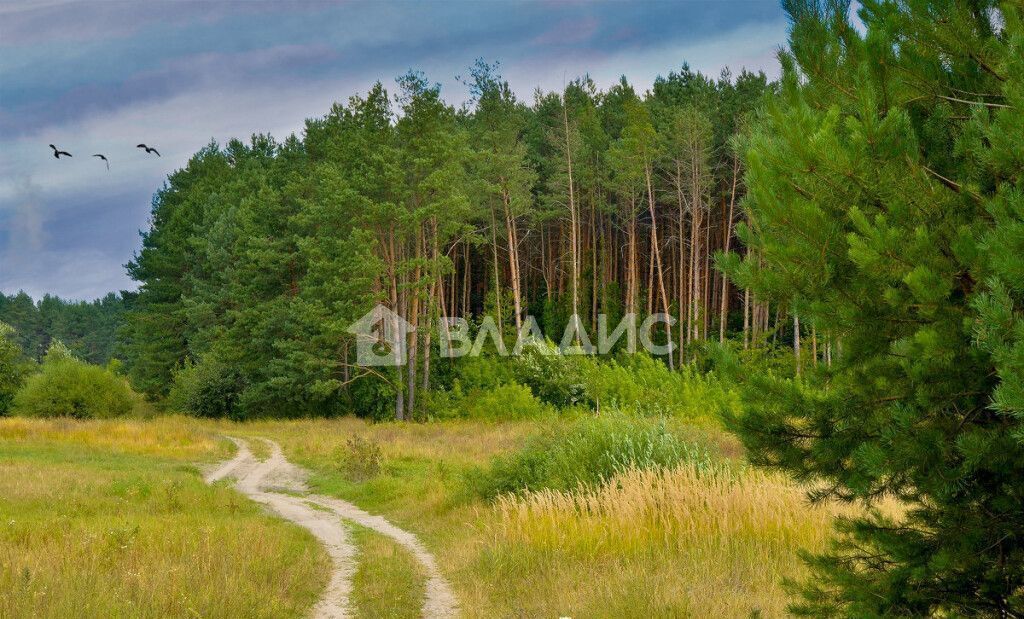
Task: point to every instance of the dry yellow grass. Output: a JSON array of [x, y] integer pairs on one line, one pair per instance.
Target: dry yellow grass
[[682, 542], [111, 519], [175, 436]]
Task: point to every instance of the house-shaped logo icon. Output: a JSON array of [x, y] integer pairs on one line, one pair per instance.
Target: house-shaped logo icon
[[381, 337]]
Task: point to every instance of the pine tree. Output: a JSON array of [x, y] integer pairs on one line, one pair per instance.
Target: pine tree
[[885, 202]]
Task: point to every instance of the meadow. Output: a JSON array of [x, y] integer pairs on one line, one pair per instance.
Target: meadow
[[112, 519], [706, 538]]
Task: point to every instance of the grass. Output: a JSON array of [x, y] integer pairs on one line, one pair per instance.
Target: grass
[[707, 538], [690, 541], [111, 518], [389, 583], [679, 542]]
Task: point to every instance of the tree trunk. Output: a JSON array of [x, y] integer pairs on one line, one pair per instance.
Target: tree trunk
[[724, 309]]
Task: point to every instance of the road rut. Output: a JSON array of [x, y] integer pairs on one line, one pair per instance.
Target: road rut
[[280, 485]]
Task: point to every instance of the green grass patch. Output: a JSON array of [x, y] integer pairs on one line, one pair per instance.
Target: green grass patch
[[587, 452], [389, 583]]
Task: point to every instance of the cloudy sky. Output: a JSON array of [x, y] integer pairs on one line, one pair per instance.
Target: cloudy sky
[[102, 76]]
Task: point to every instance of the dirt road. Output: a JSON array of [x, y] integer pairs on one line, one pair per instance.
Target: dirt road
[[280, 485]]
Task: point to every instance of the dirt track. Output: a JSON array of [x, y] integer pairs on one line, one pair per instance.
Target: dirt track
[[280, 485]]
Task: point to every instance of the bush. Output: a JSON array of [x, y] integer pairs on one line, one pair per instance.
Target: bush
[[587, 452], [66, 386], [208, 388], [642, 384], [503, 402], [361, 459], [554, 378], [507, 401]]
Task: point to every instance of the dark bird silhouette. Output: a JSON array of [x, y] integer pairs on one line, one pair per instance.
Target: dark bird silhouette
[[104, 159], [58, 153], [149, 149]]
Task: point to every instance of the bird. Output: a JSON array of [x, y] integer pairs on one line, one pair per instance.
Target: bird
[[58, 153], [149, 149], [104, 159]]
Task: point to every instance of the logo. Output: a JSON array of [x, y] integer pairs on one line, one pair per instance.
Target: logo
[[381, 337]]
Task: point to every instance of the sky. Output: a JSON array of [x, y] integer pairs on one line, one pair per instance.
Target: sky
[[103, 76]]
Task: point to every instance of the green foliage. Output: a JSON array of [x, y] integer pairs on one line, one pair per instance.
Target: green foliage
[[208, 388], [67, 386], [13, 368], [641, 384], [884, 204], [589, 451], [89, 329], [510, 401]]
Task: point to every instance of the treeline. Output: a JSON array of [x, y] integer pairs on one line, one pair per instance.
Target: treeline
[[89, 329], [581, 202]]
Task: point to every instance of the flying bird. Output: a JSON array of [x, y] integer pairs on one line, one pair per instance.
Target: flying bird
[[149, 149], [104, 159], [58, 153]]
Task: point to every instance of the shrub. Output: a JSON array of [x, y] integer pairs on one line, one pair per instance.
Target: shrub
[[483, 372], [506, 401], [66, 386], [361, 459], [642, 384], [587, 452], [208, 388], [511, 401], [554, 378]]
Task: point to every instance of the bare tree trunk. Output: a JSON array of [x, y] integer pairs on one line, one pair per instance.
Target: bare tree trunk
[[513, 260], [414, 318], [657, 256], [746, 318], [593, 260], [631, 264], [392, 261], [467, 279], [724, 309], [574, 219], [497, 275]]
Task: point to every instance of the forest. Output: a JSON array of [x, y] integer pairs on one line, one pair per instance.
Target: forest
[[88, 329], [581, 202], [842, 250]]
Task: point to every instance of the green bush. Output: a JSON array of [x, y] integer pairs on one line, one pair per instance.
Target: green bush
[[208, 388], [66, 386], [503, 402], [556, 379], [483, 372], [507, 401], [642, 384], [587, 452]]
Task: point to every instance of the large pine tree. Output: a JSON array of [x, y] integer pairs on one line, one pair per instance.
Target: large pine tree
[[886, 208]]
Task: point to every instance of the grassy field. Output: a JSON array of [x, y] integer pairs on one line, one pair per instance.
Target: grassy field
[[672, 543], [112, 519]]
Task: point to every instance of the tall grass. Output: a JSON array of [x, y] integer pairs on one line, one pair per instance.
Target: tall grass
[[704, 537], [694, 540], [111, 519], [588, 451]]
